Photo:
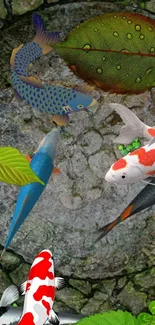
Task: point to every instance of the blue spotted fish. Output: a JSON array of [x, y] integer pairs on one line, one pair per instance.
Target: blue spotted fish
[[56, 100]]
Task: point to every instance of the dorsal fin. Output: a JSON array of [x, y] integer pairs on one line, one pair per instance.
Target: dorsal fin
[[12, 59]]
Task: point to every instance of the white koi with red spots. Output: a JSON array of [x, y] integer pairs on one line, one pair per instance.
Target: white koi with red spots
[[139, 164], [40, 291]]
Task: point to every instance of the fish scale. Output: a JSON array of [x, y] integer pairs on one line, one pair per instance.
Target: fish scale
[[49, 99], [33, 51]]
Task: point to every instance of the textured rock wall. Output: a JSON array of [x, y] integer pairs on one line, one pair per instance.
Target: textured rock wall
[[119, 271]]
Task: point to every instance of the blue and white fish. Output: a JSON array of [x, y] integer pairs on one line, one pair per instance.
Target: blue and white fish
[[42, 164], [56, 100]]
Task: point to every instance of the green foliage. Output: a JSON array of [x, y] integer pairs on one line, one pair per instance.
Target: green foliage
[[107, 48], [120, 317], [130, 147], [15, 169], [147, 319], [110, 318]]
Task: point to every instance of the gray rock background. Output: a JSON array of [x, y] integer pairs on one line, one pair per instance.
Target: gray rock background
[[119, 271]]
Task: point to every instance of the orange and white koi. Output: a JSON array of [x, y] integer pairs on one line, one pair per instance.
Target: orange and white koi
[[139, 164], [40, 291]]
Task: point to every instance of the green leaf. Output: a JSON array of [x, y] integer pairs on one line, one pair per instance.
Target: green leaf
[[110, 318], [15, 169], [144, 319], [116, 51], [152, 307], [153, 320]]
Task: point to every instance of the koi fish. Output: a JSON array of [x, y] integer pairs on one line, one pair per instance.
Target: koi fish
[[139, 164], [10, 314], [42, 164], [115, 51], [143, 200], [40, 289], [56, 100]]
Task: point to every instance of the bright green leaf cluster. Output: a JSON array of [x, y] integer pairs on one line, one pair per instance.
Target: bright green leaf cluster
[[110, 318], [15, 169], [130, 147], [120, 317], [147, 319]]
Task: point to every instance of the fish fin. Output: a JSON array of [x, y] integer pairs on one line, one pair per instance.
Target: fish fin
[[43, 38], [22, 288], [28, 158], [60, 119], [60, 283], [32, 81], [30, 66], [84, 88], [151, 142], [17, 96], [105, 229], [134, 127], [10, 295], [108, 227], [53, 318], [56, 171], [12, 59]]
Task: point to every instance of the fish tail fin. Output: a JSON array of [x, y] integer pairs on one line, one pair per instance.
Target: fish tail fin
[[42, 37], [3, 252], [108, 227], [104, 230], [9, 296], [133, 127]]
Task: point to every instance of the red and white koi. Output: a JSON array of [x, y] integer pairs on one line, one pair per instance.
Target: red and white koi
[[40, 289], [139, 164]]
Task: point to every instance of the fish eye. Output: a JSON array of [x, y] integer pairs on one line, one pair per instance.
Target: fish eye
[[123, 176], [80, 106]]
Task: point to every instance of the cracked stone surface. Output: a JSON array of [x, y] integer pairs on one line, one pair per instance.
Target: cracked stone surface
[[78, 201]]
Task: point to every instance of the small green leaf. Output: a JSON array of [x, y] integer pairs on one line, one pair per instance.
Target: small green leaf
[[120, 147], [14, 305], [110, 318], [15, 169], [153, 320], [144, 318], [152, 307]]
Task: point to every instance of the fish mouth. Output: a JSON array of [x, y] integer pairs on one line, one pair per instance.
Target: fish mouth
[[109, 178], [94, 102]]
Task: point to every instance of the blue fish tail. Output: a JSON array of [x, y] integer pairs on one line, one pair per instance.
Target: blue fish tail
[[42, 37]]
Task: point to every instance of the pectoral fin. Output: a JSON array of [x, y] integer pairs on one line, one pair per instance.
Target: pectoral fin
[[18, 97], [53, 318], [60, 283], [10, 295], [60, 119]]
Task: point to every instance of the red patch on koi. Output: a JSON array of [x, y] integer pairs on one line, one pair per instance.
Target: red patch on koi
[[27, 319], [121, 163], [48, 291], [145, 158], [41, 269], [151, 172], [151, 131], [28, 285], [47, 306]]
